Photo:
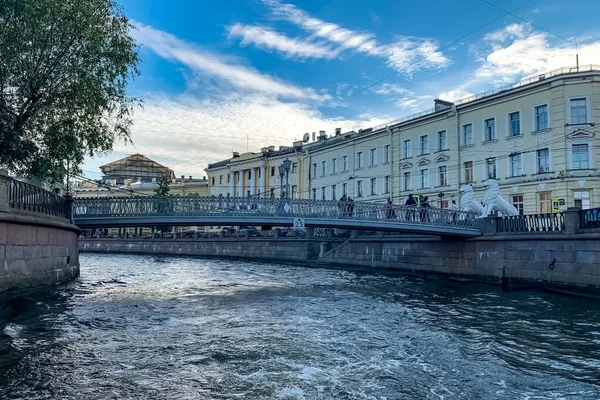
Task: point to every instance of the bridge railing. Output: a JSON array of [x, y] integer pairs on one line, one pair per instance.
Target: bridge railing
[[248, 206], [554, 222], [28, 197], [589, 219]]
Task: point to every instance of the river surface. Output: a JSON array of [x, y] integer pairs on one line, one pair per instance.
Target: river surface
[[136, 327]]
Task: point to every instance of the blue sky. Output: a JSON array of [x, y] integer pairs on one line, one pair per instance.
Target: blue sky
[[244, 74]]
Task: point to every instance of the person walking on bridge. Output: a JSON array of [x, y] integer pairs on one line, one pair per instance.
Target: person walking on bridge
[[390, 213], [412, 202], [342, 206]]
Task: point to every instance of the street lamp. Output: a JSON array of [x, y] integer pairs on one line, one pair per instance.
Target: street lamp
[[287, 164], [281, 175]]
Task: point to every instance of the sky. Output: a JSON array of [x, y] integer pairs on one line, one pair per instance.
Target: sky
[[238, 75]]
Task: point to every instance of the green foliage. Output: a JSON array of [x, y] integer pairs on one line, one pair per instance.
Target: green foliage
[[163, 187], [64, 69]]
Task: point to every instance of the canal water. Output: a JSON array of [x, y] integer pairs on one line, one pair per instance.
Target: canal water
[[135, 327]]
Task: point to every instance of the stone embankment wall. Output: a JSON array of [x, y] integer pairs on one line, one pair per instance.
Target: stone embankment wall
[[555, 261], [36, 250]]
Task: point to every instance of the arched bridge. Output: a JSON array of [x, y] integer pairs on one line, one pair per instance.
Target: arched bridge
[[104, 212]]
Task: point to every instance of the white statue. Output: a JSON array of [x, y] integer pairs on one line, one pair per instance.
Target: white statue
[[493, 200], [468, 201]]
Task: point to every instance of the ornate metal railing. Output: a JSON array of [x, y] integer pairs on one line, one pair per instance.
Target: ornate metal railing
[[28, 197], [554, 222], [589, 219], [248, 206]]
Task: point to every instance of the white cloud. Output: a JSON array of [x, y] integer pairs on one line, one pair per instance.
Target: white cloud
[[455, 94], [269, 39], [187, 133], [407, 55], [387, 89], [517, 53], [215, 66]]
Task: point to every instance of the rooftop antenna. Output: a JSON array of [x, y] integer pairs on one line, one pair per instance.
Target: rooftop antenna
[[576, 55]]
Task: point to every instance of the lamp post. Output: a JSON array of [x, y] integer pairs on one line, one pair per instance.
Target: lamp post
[[287, 164], [281, 175]]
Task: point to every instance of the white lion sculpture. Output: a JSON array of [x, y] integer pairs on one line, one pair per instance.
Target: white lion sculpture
[[493, 200], [468, 201]]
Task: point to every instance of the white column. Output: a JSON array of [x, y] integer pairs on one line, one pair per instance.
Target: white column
[[231, 183], [263, 177], [252, 179]]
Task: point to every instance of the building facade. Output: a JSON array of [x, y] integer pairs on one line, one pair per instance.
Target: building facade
[[537, 138]]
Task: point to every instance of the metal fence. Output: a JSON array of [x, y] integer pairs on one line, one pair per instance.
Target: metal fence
[[28, 197], [589, 219], [249, 206], [554, 222]]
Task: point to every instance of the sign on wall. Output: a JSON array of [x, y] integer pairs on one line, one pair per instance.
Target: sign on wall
[[298, 223]]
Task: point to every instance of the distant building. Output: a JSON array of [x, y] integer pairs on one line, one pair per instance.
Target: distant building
[[135, 168]]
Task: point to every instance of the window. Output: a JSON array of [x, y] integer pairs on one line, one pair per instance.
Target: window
[[220, 179], [323, 193], [359, 160], [334, 166], [333, 192], [543, 164], [490, 166], [545, 202], [314, 193], [213, 180], [314, 170], [294, 168], [344, 189], [424, 175], [344, 163], [228, 178], [386, 184], [514, 124], [582, 199], [578, 111], [407, 181], [444, 204], [442, 175], [323, 168], [272, 192], [273, 171], [442, 141], [373, 186], [359, 189], [489, 129], [424, 144], [407, 151], [580, 156], [247, 193], [250, 174], [467, 135], [541, 117], [373, 157], [515, 165], [517, 201], [259, 172], [294, 192], [468, 166], [386, 153]]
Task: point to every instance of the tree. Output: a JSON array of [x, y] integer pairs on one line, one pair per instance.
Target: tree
[[64, 70], [163, 187]]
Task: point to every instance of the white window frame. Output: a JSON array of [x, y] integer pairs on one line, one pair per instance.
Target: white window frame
[[464, 171], [334, 166], [407, 148], [485, 166], [587, 109], [314, 193], [386, 184], [537, 161], [590, 154], [359, 189], [323, 167], [373, 183], [463, 137], [314, 171], [359, 160], [495, 131], [407, 182], [423, 149], [509, 124], [424, 178], [534, 117], [344, 189], [386, 153], [516, 159], [324, 193], [333, 192], [373, 157], [439, 170], [589, 193], [445, 136], [344, 163]]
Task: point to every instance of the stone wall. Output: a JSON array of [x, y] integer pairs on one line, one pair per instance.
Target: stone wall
[[554, 261], [35, 252]]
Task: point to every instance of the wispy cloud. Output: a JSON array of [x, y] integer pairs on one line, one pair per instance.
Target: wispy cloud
[[387, 89], [266, 38], [406, 55], [215, 66]]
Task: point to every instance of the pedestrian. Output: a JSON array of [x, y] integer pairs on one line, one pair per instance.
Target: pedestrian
[[454, 208], [424, 212], [389, 209], [350, 206], [411, 202], [342, 205]]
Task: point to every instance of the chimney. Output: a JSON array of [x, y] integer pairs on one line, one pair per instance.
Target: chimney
[[271, 148], [440, 104], [338, 131], [264, 150], [236, 154], [204, 178], [314, 136], [190, 178], [322, 135]]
